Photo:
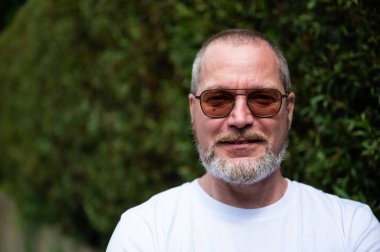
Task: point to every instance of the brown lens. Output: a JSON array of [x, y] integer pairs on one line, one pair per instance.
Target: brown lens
[[264, 103], [217, 103]]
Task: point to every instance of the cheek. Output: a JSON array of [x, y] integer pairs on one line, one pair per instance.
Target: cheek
[[206, 129], [278, 135]]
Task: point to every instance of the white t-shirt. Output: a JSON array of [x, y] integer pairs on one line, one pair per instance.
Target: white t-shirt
[[186, 218]]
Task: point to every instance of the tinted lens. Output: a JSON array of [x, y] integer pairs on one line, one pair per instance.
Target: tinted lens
[[217, 103], [264, 103]]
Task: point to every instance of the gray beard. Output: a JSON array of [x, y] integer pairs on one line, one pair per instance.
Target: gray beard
[[241, 172]]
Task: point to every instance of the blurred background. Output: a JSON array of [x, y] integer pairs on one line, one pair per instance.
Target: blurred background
[[94, 116]]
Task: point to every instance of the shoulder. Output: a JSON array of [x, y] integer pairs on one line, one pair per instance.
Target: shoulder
[[161, 203], [355, 219], [138, 227], [160, 208], [316, 198]]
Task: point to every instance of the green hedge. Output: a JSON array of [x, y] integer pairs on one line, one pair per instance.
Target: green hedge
[[93, 101]]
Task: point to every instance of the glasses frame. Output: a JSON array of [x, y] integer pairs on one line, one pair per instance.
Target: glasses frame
[[246, 93]]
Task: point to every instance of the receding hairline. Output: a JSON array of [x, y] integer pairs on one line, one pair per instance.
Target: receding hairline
[[234, 41], [237, 37], [240, 37]]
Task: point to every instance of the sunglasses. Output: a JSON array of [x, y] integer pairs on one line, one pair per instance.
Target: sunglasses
[[218, 103]]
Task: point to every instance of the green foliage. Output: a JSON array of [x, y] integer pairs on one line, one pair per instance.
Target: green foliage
[[8, 10], [93, 101]]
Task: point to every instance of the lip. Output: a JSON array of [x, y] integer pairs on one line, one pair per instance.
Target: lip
[[243, 150], [241, 146], [241, 142]]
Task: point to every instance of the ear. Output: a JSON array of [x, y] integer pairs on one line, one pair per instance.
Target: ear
[[191, 106], [290, 107]]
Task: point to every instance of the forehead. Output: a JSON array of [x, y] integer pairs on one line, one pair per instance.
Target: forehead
[[248, 65]]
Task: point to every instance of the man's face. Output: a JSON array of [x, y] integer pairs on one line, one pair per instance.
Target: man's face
[[246, 66]]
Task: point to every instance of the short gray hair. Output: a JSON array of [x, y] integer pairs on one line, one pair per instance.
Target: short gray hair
[[240, 36]]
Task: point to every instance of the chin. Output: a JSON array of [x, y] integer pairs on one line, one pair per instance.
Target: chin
[[242, 170]]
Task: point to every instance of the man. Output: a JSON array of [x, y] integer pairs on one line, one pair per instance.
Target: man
[[241, 107]]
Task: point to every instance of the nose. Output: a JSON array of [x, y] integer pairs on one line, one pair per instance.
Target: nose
[[240, 116]]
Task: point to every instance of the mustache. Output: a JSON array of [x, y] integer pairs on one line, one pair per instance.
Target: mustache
[[231, 137]]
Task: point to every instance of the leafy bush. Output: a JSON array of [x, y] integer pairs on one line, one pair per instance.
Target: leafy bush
[[94, 109]]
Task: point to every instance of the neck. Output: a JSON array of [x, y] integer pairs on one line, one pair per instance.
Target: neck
[[261, 194]]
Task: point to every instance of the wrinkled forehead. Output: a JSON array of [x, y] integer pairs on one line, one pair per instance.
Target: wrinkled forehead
[[246, 59]]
